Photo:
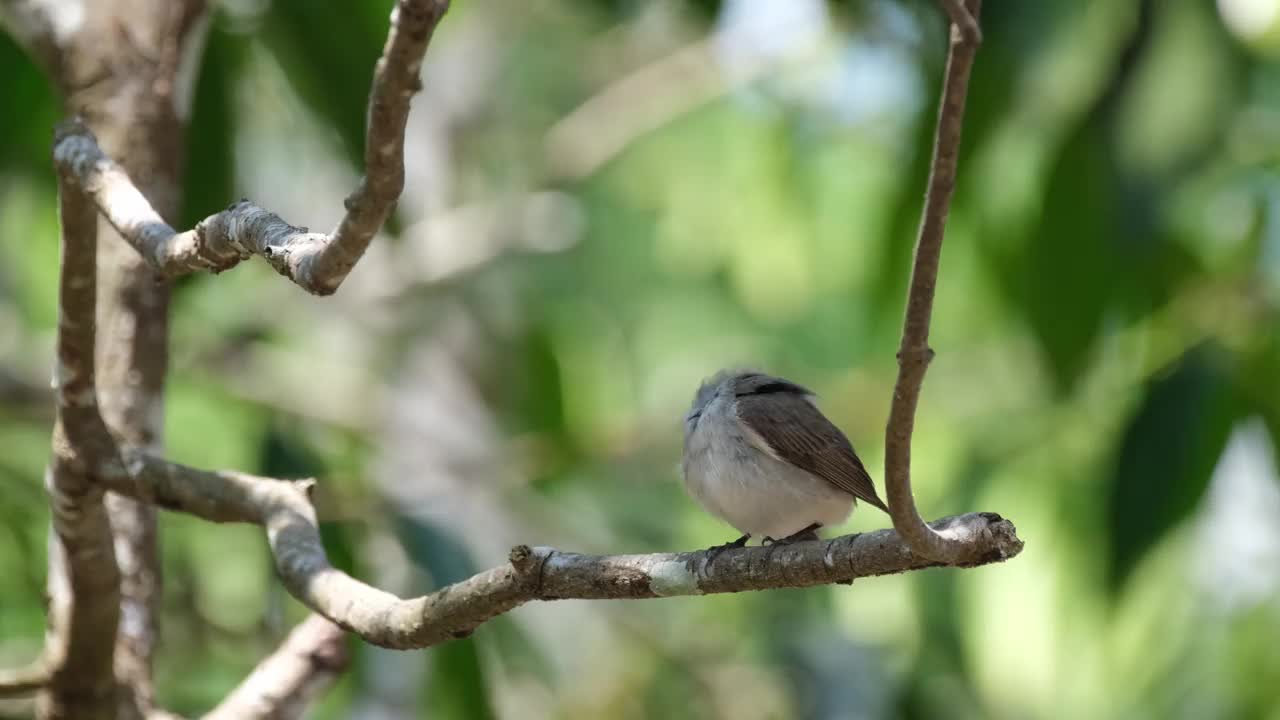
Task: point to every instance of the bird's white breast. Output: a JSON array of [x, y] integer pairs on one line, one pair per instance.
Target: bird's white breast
[[752, 491]]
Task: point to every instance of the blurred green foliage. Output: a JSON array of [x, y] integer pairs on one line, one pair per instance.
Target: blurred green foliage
[[510, 362]]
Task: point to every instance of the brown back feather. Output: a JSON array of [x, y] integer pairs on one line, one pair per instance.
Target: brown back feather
[[779, 413]]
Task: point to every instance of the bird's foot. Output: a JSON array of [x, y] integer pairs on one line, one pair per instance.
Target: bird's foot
[[715, 550], [809, 533]]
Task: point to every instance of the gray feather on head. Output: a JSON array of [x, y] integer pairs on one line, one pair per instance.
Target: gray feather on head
[[751, 382], [744, 381], [706, 391]]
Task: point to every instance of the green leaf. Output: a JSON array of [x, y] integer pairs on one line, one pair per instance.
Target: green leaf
[[457, 687], [339, 545], [209, 181], [1066, 278], [1097, 237], [284, 455], [1260, 379], [533, 386], [991, 90], [333, 81], [435, 550], [32, 110], [1167, 455]]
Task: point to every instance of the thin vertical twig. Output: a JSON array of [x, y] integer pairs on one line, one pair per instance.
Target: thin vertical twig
[[914, 353], [962, 18]]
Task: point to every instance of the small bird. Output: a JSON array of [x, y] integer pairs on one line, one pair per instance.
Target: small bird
[[759, 455]]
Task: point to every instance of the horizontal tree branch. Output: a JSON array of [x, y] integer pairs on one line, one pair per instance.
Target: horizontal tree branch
[[914, 353], [283, 507], [16, 682], [289, 679], [317, 262]]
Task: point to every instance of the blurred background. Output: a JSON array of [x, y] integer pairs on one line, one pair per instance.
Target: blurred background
[[608, 200]]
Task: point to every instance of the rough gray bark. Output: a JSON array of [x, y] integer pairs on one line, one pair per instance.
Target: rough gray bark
[[137, 115], [84, 601], [134, 107]]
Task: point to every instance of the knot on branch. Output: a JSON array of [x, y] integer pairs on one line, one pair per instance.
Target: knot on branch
[[997, 537], [75, 151], [308, 488], [916, 356], [521, 558], [1004, 537], [69, 127], [330, 657], [529, 565], [214, 247]]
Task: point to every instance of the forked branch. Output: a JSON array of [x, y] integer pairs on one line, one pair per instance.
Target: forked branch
[[317, 262]]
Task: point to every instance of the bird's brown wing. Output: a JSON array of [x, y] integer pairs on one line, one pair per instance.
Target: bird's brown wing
[[786, 425]]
